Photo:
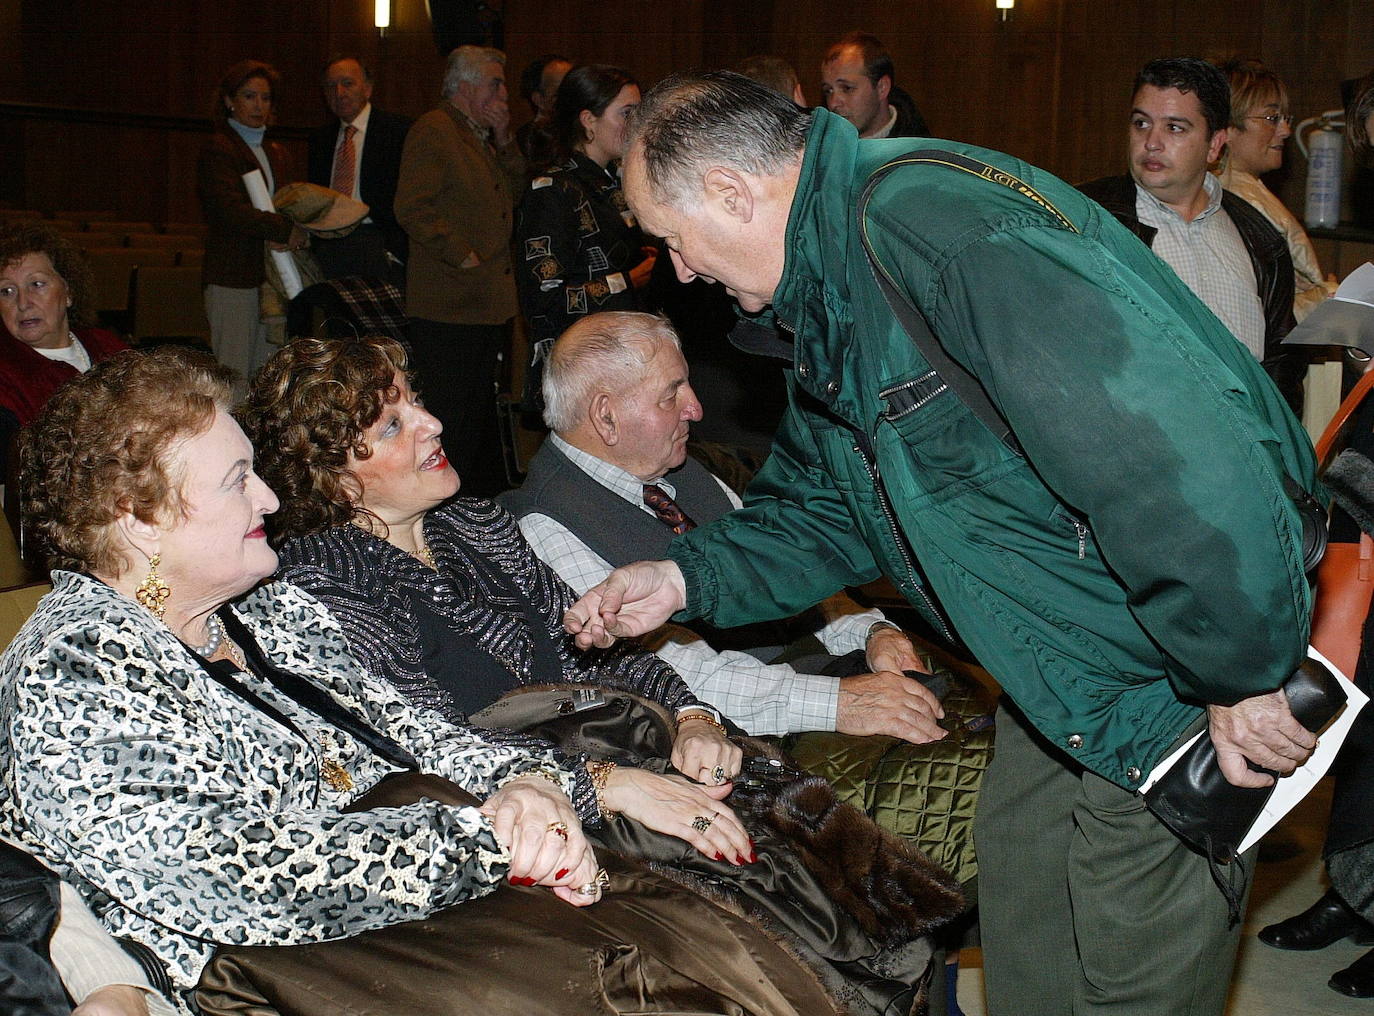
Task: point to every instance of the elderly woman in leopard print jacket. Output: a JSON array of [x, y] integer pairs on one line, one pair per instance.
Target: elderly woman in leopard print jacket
[[154, 749]]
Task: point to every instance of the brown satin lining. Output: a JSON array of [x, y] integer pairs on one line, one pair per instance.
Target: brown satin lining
[[649, 946]]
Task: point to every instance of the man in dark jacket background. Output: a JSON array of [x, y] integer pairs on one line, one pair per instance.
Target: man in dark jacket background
[[1126, 563], [359, 151], [858, 82], [1219, 244]]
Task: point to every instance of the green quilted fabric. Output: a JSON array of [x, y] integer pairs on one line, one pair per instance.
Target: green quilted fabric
[[926, 793]]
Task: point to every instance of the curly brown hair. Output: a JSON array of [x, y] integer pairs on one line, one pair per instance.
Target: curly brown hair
[[101, 446], [307, 412], [22, 238]]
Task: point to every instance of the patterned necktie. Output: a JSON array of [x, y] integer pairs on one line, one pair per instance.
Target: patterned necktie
[[666, 509], [344, 161]]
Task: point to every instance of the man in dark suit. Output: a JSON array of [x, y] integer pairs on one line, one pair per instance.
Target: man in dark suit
[[359, 153]]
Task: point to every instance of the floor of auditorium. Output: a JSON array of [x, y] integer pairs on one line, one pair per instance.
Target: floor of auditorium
[[1268, 982]]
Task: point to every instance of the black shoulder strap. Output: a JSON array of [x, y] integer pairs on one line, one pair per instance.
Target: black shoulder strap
[[967, 387], [305, 694]]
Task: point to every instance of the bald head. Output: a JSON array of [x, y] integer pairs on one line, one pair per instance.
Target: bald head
[[615, 386]]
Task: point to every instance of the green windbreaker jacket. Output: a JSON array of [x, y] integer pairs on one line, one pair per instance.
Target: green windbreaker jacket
[[1140, 560]]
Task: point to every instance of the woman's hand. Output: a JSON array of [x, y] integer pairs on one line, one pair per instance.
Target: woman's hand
[[641, 273], [679, 807], [702, 752], [535, 822], [114, 1000]]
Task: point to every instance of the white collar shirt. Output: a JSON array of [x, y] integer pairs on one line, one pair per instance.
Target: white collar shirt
[[1209, 255]]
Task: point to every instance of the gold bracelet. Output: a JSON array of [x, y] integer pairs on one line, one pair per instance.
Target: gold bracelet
[[554, 776], [704, 718], [600, 772]]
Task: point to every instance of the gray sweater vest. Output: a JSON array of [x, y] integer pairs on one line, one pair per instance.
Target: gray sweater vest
[[612, 527]]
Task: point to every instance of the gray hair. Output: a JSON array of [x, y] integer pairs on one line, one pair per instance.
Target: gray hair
[[611, 350], [465, 64], [691, 122]]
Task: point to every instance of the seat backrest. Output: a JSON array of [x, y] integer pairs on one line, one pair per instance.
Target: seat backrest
[[113, 268], [166, 241], [127, 227], [168, 302], [16, 604], [1334, 437]]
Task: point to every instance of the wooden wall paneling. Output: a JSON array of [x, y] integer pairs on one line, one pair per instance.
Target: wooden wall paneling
[[1049, 86]]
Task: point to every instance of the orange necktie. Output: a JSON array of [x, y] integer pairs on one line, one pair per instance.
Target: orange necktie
[[344, 160]]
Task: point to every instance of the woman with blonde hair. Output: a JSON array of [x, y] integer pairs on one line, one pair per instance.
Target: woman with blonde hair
[[1260, 126]]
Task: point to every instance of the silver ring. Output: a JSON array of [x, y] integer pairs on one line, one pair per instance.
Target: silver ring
[[701, 823], [718, 774]]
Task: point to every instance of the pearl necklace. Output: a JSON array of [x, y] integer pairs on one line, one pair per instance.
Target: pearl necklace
[[216, 629]]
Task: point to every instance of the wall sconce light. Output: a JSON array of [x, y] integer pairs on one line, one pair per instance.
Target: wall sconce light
[[381, 16], [1004, 9]]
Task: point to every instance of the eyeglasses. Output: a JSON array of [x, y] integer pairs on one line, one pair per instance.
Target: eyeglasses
[[1274, 119]]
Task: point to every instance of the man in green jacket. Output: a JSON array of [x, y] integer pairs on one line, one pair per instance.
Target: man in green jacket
[[1125, 565]]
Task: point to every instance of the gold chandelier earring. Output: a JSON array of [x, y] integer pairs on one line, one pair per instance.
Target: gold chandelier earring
[[153, 591]]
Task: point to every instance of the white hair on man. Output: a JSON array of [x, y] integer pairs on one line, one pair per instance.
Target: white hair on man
[[691, 122], [465, 64], [602, 352]]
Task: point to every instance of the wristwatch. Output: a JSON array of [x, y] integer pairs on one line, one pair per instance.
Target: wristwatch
[[878, 626]]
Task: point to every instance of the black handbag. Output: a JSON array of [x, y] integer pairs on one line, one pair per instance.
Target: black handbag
[[1208, 812]]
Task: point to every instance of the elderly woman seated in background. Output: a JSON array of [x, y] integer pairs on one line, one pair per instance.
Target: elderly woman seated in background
[[190, 752], [45, 306]]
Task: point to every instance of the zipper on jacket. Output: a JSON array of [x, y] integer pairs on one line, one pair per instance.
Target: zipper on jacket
[[865, 452], [1082, 531]]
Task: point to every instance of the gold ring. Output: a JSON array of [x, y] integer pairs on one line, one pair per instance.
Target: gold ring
[[718, 773], [701, 823], [594, 887], [559, 829]]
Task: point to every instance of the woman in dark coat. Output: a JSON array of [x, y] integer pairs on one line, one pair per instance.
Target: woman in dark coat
[[234, 267], [578, 248]]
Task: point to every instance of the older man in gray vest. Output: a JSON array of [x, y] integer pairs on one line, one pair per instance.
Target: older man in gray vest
[[614, 484]]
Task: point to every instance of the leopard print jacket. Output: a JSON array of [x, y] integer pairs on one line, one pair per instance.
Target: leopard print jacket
[[188, 818]]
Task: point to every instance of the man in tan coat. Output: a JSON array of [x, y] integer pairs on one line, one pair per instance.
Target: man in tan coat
[[460, 172]]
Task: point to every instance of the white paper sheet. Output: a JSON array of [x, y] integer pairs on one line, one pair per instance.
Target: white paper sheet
[[262, 201], [1291, 789]]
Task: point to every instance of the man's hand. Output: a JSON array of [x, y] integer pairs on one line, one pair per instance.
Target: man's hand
[[496, 115], [890, 649], [889, 703], [1263, 730], [630, 601]]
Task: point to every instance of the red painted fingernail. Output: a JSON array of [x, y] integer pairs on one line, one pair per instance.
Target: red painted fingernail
[[561, 873], [719, 856], [739, 860], [753, 857], [512, 880]]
